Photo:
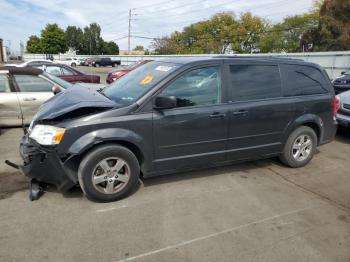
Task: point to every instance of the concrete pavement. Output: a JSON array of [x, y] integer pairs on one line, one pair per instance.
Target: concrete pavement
[[257, 211]]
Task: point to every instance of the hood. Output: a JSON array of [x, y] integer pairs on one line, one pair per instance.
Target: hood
[[76, 98]]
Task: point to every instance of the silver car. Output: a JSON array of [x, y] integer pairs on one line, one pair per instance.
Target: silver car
[[22, 91], [343, 115]]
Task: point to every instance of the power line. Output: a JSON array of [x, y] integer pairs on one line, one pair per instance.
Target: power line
[[235, 35]]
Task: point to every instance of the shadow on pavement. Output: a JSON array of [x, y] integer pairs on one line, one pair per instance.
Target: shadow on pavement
[[11, 183]]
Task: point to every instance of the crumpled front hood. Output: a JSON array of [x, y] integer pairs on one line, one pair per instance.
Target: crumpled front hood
[[74, 98]]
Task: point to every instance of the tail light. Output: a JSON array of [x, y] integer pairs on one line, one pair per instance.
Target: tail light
[[336, 105]]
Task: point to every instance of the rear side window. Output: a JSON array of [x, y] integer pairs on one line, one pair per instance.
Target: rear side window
[[251, 82], [302, 80], [29, 83]]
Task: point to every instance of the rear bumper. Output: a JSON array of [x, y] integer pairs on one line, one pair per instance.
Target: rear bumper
[[44, 165]]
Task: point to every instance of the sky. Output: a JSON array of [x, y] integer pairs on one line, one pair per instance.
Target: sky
[[150, 18]]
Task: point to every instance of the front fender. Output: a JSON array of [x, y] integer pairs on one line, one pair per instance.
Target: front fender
[[110, 134]]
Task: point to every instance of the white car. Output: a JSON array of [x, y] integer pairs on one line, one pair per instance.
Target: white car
[[33, 62], [71, 61]]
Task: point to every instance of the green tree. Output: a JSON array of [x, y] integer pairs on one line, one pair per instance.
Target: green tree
[[110, 48], [34, 45], [74, 37], [334, 26], [249, 31], [286, 36], [53, 39], [93, 42]]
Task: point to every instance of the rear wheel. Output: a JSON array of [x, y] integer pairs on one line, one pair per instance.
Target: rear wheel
[[108, 173], [300, 147], [74, 64]]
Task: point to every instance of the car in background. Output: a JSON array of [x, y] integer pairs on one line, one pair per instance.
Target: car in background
[[71, 61], [118, 73], [33, 62], [342, 83], [22, 91], [86, 62], [105, 61], [69, 74], [343, 115]]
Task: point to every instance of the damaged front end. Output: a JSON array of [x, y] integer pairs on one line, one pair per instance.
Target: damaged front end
[[43, 161], [44, 165]]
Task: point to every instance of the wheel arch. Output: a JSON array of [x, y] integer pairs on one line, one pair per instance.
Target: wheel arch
[[89, 142], [309, 120]]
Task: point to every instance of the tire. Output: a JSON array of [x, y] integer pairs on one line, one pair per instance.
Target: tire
[[300, 147], [113, 65], [74, 64], [103, 189]]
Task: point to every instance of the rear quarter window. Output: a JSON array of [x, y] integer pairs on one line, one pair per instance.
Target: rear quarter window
[[302, 80]]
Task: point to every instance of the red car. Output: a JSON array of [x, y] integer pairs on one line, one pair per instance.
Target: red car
[[118, 73], [69, 74]]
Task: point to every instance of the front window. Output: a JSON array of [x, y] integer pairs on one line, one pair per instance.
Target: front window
[[198, 87], [135, 84]]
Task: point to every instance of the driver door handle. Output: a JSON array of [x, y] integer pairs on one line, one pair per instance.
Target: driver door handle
[[29, 99]]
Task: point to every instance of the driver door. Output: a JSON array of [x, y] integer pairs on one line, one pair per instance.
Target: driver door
[[195, 132]]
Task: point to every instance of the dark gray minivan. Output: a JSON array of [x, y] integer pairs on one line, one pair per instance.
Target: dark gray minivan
[[172, 115]]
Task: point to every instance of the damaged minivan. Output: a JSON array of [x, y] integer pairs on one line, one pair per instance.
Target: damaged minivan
[[180, 114]]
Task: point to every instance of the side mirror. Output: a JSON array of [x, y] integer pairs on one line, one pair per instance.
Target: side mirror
[[165, 102], [56, 90]]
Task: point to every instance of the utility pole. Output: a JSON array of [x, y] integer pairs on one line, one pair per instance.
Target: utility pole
[[129, 32]]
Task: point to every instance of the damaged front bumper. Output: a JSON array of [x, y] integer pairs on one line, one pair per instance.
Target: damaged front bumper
[[44, 165]]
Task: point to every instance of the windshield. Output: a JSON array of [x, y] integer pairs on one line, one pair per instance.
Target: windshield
[[135, 84], [58, 80]]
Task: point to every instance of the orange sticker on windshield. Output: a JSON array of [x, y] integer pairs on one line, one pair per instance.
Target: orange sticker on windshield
[[148, 79]]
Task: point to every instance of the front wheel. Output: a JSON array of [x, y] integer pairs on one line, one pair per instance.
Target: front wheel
[[300, 147], [108, 173]]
